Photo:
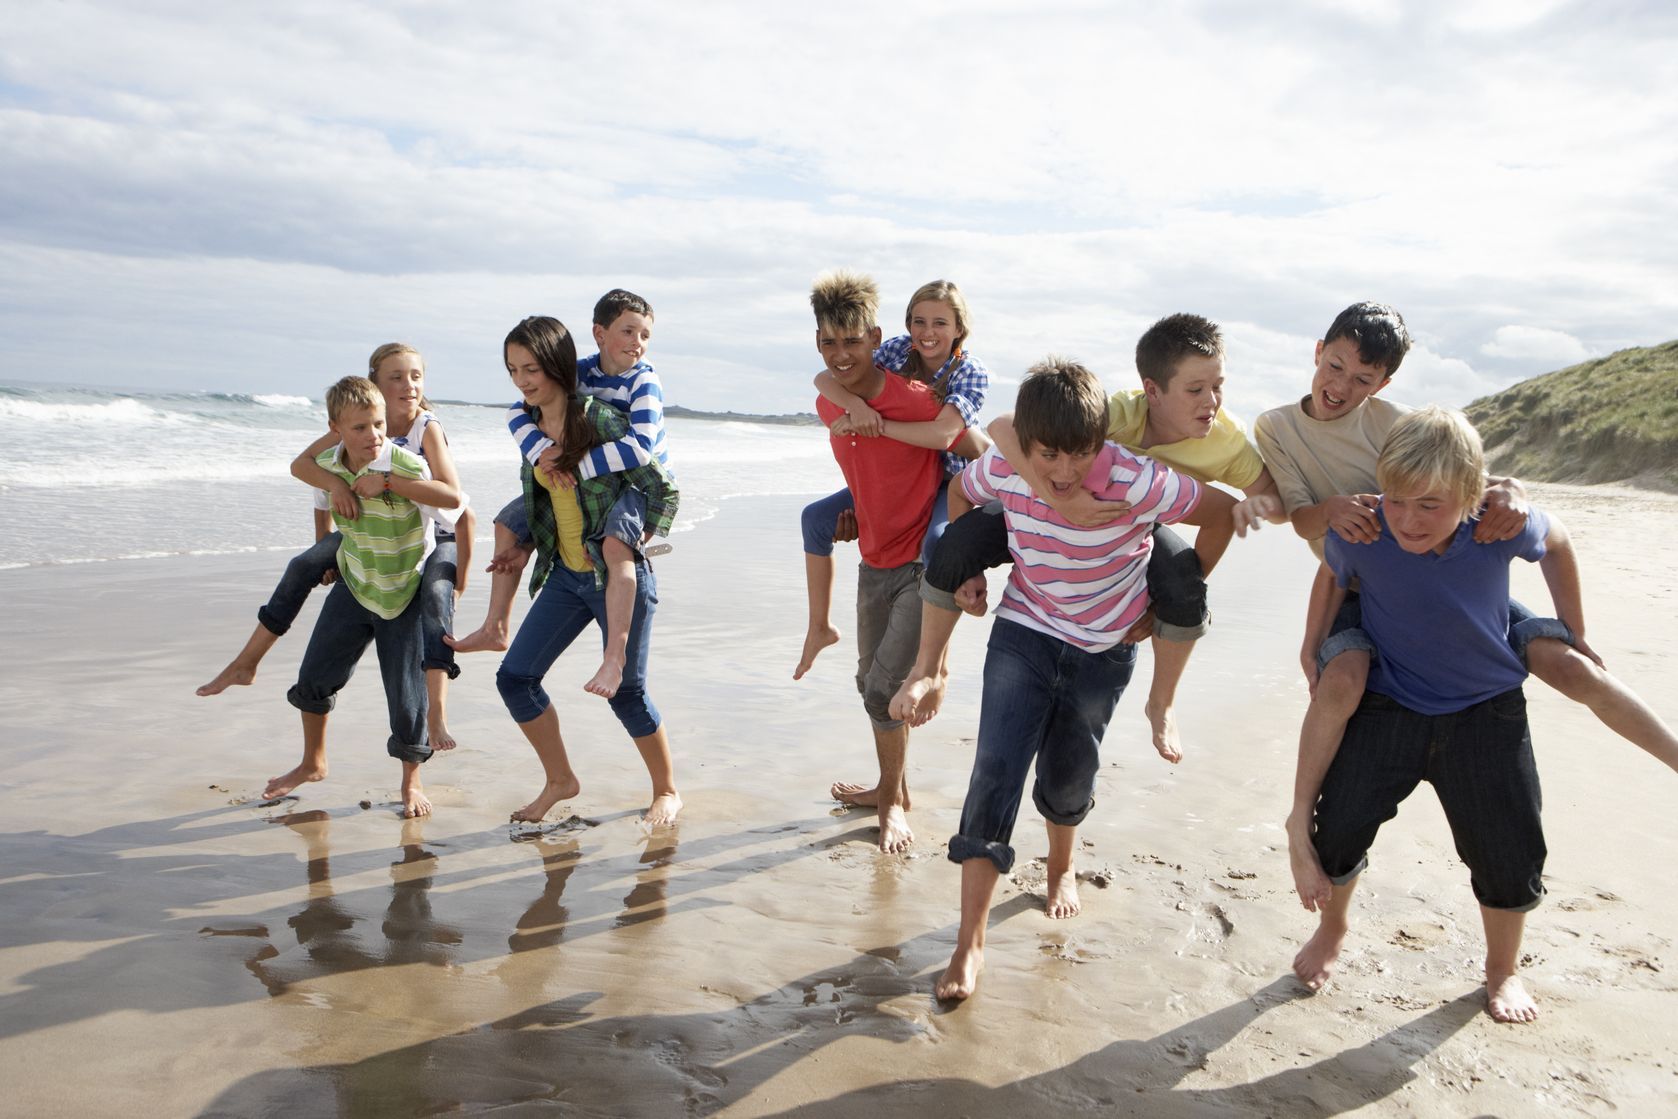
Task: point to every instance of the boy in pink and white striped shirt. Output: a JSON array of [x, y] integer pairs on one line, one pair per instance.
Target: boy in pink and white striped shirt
[[1056, 663]]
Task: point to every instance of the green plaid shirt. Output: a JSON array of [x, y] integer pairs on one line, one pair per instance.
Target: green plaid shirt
[[596, 496]]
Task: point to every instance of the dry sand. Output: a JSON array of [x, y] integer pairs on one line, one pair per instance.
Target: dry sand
[[168, 947]]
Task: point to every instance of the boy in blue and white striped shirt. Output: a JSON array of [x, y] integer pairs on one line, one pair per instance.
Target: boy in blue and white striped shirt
[[619, 376]]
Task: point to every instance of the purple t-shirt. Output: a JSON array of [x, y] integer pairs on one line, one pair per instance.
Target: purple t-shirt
[[1440, 623]]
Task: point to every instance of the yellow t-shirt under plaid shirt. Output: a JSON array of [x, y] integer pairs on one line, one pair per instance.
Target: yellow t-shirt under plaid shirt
[[384, 548], [568, 524]]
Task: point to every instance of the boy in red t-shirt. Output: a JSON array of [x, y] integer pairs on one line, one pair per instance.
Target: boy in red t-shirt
[[893, 485]]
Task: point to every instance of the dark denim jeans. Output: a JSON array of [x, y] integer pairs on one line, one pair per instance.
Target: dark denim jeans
[[973, 544], [1046, 699], [1479, 761], [568, 602], [342, 633], [819, 519], [303, 574]]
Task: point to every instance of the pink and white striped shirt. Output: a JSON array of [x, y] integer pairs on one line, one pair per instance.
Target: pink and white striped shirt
[[1086, 586]]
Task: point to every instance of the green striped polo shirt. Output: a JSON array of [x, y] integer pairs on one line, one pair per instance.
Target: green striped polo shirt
[[384, 548]]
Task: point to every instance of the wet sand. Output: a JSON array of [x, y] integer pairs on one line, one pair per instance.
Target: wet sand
[[170, 947]]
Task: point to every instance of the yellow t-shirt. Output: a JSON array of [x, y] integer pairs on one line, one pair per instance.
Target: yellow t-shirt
[[1223, 455], [568, 525]]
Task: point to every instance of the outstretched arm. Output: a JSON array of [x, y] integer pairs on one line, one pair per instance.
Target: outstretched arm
[[937, 434], [1261, 502]]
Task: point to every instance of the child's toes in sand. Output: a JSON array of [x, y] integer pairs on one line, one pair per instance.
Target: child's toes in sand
[[961, 978], [1315, 961], [662, 811], [1061, 901], [285, 782], [414, 801], [552, 793], [1507, 1000]]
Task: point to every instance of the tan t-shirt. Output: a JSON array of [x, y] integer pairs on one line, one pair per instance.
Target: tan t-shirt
[[1313, 460]]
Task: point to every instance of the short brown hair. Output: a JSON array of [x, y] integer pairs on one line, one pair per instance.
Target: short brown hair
[[352, 392], [845, 300], [1061, 407], [1172, 339], [615, 303]]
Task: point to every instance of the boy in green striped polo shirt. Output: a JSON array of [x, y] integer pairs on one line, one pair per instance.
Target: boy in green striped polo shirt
[[374, 600]]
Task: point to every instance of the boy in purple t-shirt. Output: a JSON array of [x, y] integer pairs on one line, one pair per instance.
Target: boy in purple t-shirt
[[1444, 701]]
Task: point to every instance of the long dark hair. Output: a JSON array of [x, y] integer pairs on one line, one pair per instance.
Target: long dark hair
[[556, 352]]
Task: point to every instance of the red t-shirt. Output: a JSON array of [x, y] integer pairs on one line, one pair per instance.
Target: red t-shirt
[[892, 483]]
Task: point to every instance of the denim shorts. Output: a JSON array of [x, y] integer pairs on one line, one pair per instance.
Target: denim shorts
[[1479, 761], [1047, 700]]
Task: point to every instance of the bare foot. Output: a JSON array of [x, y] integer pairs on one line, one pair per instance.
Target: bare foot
[[1164, 724], [817, 639], [1507, 1000], [864, 796], [552, 793], [662, 810], [604, 683], [437, 729], [414, 801], [234, 674], [895, 835], [285, 782], [1062, 901], [1315, 962], [1309, 881], [961, 978], [487, 638]]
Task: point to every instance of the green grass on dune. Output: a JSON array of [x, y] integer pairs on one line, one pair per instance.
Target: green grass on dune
[[1608, 420]]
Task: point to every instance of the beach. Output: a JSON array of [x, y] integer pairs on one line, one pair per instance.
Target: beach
[[169, 946]]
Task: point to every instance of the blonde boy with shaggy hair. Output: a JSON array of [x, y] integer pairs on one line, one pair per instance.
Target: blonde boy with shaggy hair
[[1444, 701]]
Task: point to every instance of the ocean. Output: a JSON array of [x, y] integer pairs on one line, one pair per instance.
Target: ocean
[[90, 475]]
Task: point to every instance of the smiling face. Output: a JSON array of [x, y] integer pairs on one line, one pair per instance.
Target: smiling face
[[933, 330], [1186, 407], [537, 388], [1423, 521], [361, 429], [623, 343], [401, 380], [1056, 473], [848, 352], [1343, 380]]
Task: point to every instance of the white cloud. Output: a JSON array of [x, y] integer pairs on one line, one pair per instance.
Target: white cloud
[[1535, 343]]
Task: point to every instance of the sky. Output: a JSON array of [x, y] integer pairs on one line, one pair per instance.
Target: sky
[[248, 198]]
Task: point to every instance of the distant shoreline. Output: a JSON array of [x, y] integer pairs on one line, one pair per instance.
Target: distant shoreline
[[794, 419]]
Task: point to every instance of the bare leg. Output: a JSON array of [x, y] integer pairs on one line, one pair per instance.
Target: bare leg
[[1339, 691], [503, 585], [414, 801], [961, 977], [1506, 997], [1170, 659], [242, 668], [436, 719], [1584, 681], [892, 803], [666, 802], [313, 765], [820, 632], [1062, 900], [561, 782], [620, 608], [922, 692], [1315, 961]]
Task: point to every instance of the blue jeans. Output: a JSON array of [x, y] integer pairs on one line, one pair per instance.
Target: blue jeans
[[979, 541], [1346, 633], [342, 633], [303, 574], [1046, 699], [819, 519], [567, 603], [1479, 761]]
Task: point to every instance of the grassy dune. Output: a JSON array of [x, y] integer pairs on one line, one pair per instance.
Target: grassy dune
[[1613, 419]]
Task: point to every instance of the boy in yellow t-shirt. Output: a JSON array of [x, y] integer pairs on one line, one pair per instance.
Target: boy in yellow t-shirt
[[1176, 417]]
